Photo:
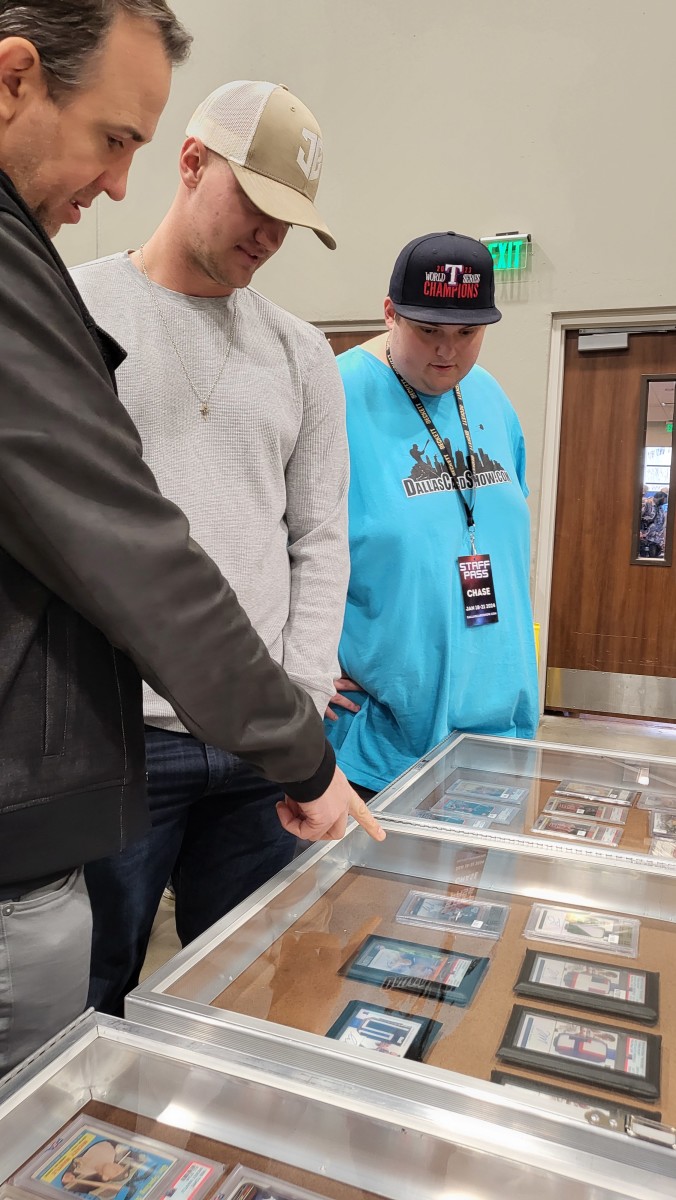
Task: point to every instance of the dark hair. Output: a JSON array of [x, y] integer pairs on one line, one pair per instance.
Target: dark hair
[[67, 33]]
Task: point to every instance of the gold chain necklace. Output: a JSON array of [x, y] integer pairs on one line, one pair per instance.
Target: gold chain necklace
[[203, 401]]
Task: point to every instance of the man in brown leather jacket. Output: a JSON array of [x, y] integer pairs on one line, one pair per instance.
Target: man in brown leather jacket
[[100, 582]]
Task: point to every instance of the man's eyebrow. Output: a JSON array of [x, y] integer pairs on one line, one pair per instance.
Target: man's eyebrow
[[129, 131]]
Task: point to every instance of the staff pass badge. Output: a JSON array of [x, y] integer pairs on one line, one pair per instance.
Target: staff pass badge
[[478, 593]]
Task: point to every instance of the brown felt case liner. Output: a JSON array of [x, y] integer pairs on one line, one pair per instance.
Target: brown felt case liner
[[295, 982], [194, 1143]]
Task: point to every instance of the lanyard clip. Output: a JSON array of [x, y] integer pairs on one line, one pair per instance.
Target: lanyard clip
[[471, 539]]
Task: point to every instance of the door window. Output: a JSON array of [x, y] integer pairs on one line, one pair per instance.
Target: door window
[[652, 525]]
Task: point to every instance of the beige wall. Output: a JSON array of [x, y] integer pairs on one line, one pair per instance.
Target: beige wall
[[553, 117]]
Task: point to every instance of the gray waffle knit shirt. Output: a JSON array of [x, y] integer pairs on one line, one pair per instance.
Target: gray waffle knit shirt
[[263, 480]]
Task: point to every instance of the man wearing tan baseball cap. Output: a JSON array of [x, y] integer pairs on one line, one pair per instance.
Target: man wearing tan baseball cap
[[273, 145], [242, 416]]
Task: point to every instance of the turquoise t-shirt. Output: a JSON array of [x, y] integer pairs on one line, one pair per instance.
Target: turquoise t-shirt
[[423, 670]]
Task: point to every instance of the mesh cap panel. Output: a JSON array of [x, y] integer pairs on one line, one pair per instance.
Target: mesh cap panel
[[227, 120]]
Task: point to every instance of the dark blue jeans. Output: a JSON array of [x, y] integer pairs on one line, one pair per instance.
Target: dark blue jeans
[[215, 833]]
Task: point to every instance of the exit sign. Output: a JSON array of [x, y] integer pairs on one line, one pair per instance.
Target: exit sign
[[670, 426], [509, 251]]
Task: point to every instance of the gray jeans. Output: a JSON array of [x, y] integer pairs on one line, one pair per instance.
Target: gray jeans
[[45, 947]]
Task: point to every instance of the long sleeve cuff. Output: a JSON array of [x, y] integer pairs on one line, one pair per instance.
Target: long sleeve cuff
[[306, 790]]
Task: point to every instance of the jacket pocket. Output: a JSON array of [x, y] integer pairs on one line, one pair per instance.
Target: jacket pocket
[[56, 682]]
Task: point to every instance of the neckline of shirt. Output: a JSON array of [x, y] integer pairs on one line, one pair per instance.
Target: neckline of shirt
[[180, 299], [426, 398]]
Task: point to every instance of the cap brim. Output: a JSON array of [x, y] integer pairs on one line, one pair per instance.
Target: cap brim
[[281, 202], [448, 316]]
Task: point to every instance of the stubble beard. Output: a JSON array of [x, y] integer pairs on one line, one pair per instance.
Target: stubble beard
[[208, 265]]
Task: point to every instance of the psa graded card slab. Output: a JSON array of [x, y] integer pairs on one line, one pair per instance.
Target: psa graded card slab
[[385, 1030], [478, 918], [582, 927], [589, 810], [623, 1060], [595, 791], [577, 831], [96, 1159], [657, 801], [502, 814], [663, 824], [9, 1192], [601, 1113], [663, 847], [411, 967], [603, 987], [493, 793], [244, 1184], [452, 818]]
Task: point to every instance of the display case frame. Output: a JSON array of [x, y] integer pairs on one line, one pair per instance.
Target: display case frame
[[350, 1130]]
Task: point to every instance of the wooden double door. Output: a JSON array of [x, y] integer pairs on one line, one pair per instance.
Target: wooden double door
[[612, 631]]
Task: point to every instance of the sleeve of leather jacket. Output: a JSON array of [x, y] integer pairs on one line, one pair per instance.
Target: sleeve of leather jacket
[[81, 511]]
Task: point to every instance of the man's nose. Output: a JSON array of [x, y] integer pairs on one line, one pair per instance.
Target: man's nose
[[271, 233], [447, 346], [115, 183]]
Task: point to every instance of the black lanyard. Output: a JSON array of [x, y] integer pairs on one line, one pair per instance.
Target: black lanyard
[[436, 436]]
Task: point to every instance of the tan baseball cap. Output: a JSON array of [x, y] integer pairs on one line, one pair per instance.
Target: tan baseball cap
[[274, 147]]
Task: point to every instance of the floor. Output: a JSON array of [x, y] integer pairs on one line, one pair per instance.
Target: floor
[[647, 737]]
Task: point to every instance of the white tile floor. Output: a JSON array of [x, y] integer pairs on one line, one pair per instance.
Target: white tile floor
[[649, 737]]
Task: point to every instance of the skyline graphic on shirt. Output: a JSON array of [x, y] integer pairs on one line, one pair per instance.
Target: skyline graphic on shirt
[[429, 472]]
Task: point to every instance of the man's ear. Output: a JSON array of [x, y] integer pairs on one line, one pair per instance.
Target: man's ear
[[390, 313], [20, 75], [192, 162]]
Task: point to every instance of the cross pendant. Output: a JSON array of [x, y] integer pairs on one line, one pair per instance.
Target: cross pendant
[[204, 410]]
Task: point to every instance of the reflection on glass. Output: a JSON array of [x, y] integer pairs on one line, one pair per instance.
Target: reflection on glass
[[658, 441]]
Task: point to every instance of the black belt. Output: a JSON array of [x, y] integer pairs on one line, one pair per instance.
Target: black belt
[[14, 891]]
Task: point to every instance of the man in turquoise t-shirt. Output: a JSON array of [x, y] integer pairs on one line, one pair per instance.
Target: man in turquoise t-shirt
[[437, 463]]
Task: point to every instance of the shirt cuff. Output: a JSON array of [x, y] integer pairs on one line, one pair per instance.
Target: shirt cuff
[[306, 790]]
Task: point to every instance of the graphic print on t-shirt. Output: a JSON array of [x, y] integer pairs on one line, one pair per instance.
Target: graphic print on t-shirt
[[430, 474]]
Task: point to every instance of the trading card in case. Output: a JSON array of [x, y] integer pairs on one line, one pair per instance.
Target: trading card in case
[[583, 927], [495, 793], [588, 810], [663, 847], [477, 918], [607, 1056], [391, 963], [595, 791], [657, 801], [111, 1163], [604, 1114], [577, 830], [501, 814], [372, 1027], [245, 1184], [663, 824], [602, 987], [464, 820]]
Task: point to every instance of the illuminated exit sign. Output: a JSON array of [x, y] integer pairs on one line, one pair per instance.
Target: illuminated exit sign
[[509, 251]]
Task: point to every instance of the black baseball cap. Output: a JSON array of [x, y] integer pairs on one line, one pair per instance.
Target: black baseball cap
[[445, 279]]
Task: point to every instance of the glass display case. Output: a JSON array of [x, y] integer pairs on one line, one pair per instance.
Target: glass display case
[[458, 967], [494, 790], [241, 1126]]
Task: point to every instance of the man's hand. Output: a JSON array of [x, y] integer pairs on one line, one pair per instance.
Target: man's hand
[[326, 818], [342, 685]]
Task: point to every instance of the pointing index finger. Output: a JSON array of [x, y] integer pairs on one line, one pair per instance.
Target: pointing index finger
[[362, 813]]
